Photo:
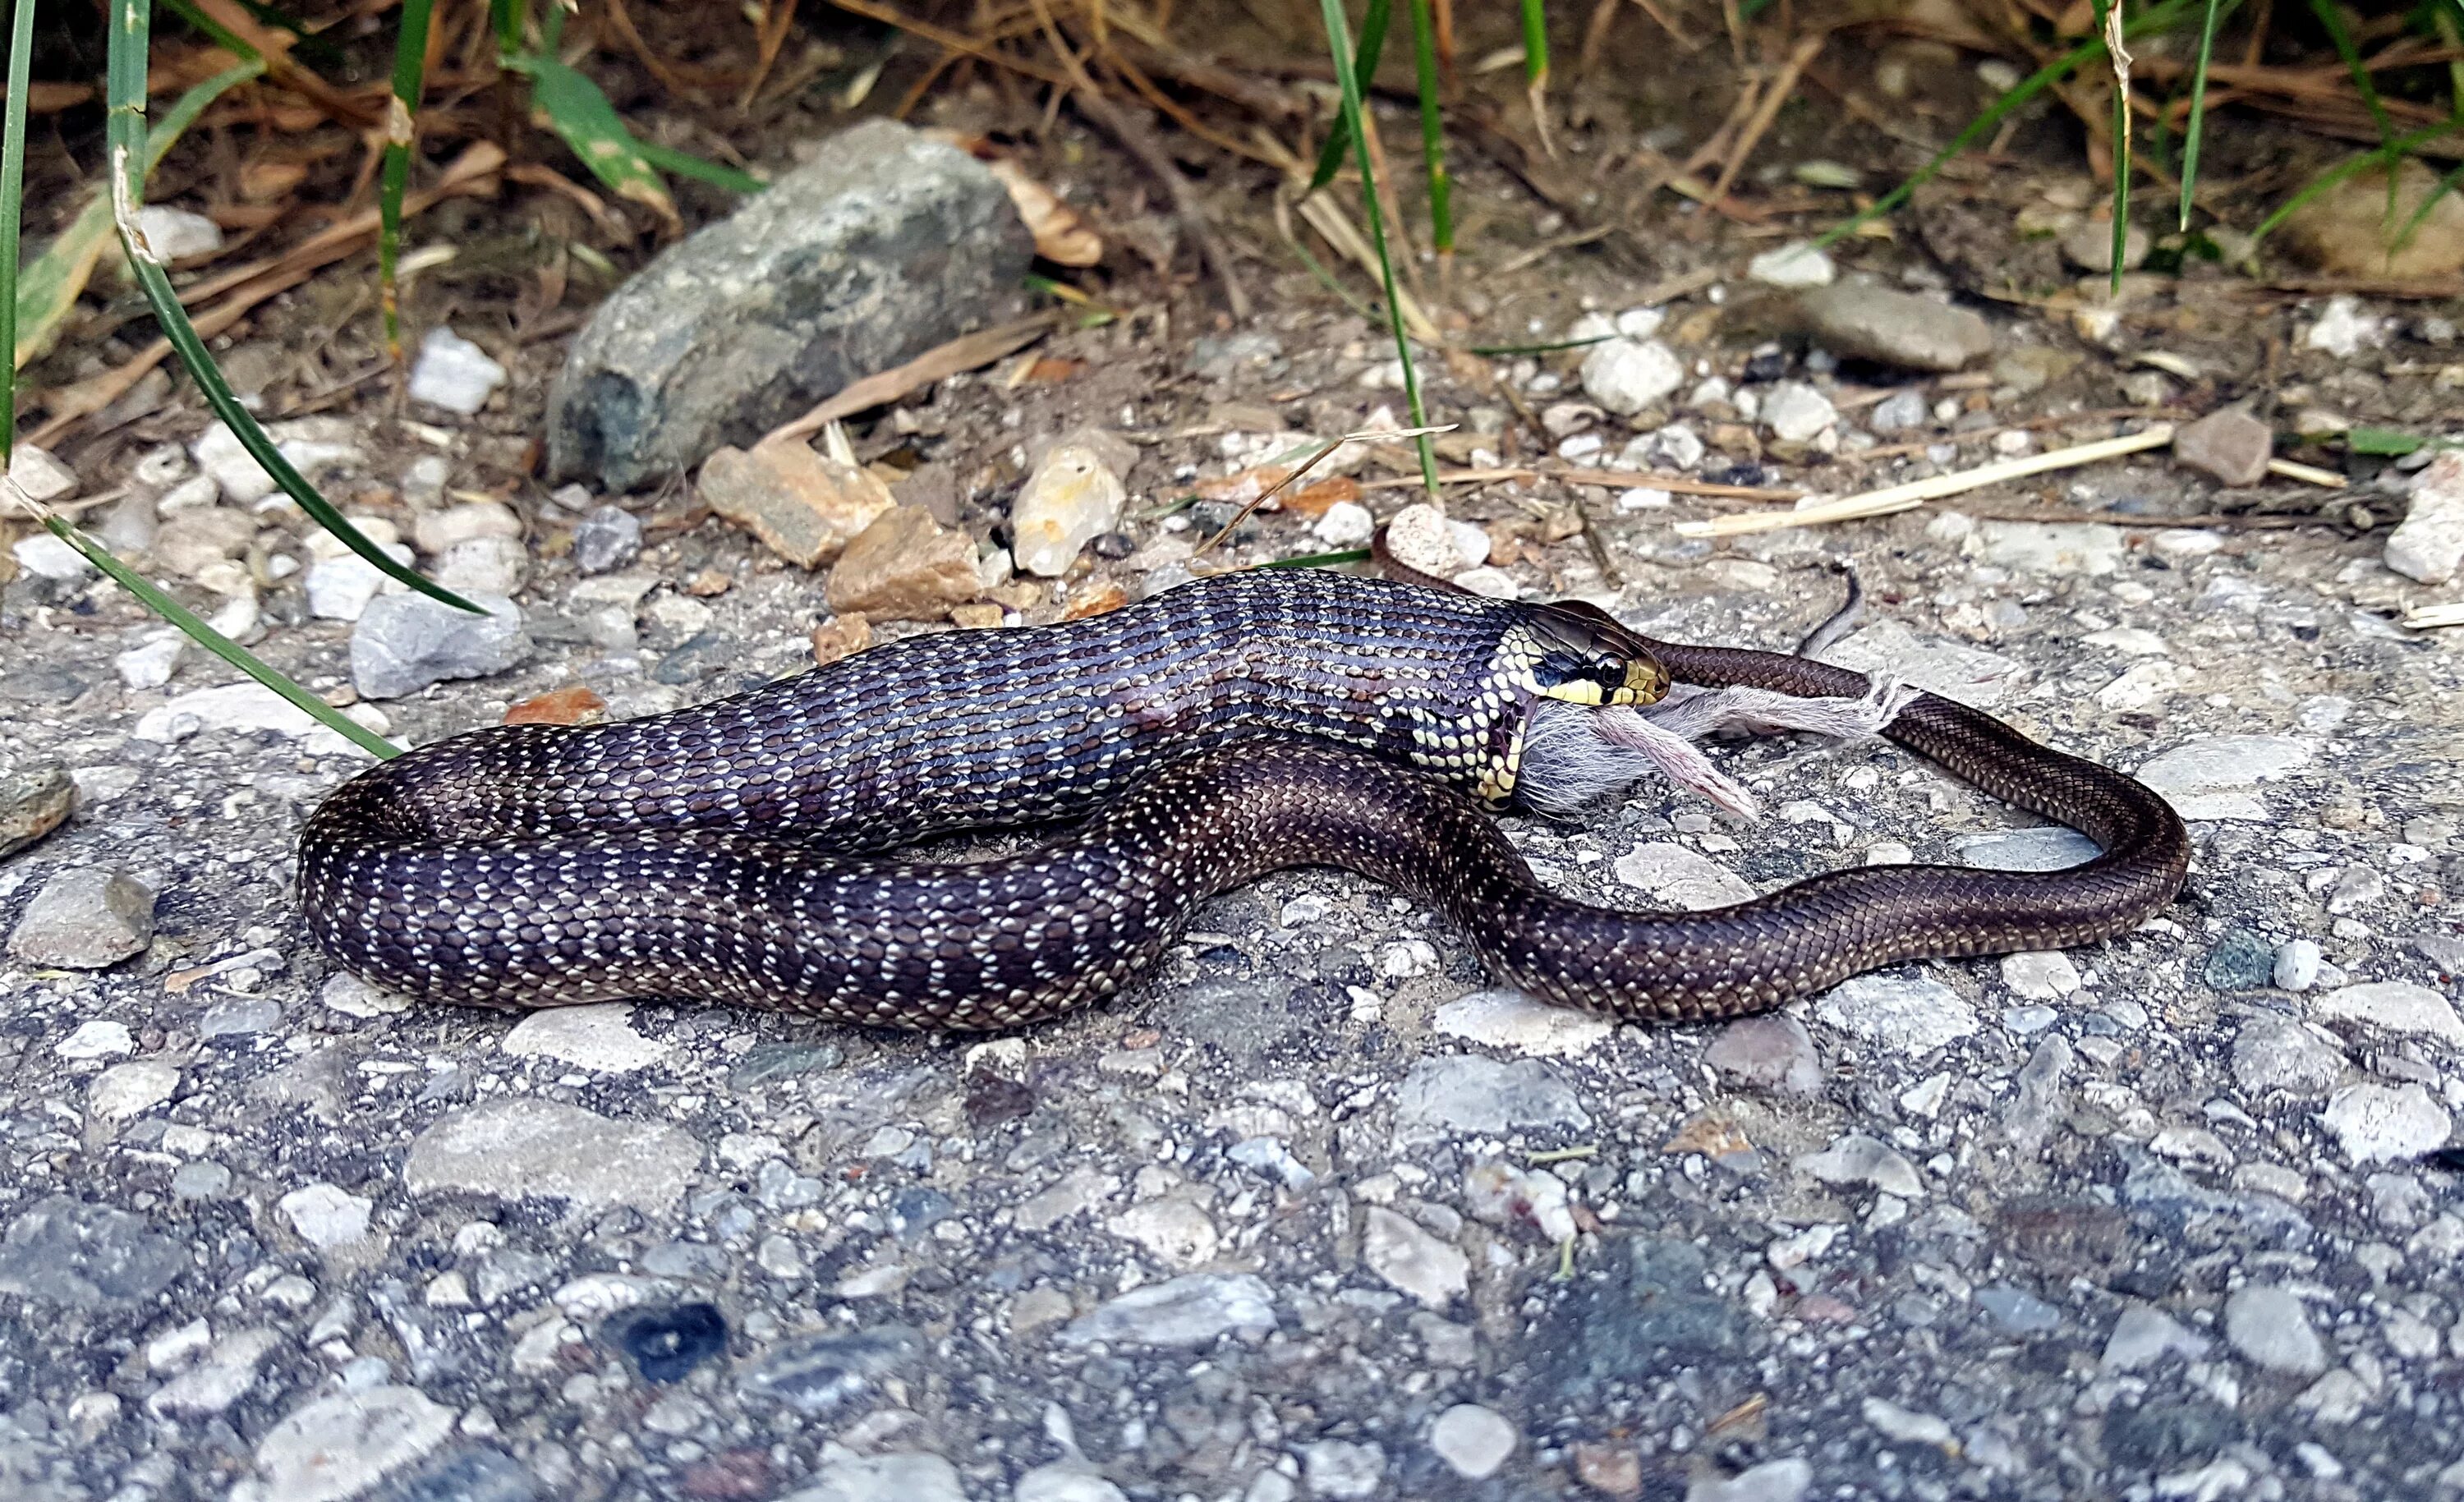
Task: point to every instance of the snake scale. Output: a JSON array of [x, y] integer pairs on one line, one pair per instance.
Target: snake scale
[[1227, 728]]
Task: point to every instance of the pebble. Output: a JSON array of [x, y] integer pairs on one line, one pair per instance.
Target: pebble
[[226, 1375], [2017, 1312], [2267, 1324], [1796, 264], [99, 1039], [1683, 877], [2054, 549], [341, 1445], [1498, 1192], [1969, 674], [1856, 1158], [238, 1017], [1186, 1312], [1065, 1481], [1905, 1014], [2207, 779], [453, 373], [1346, 524], [1625, 375], [341, 588], [193, 543], [1860, 320], [1074, 495], [2052, 847], [608, 539], [1510, 1019], [600, 1038], [825, 1371], [1906, 1426], [1341, 1468], [327, 1217], [897, 1476], [2145, 1335], [519, 1146], [2276, 1055], [2228, 444], [43, 478], [484, 566], [1465, 1094], [439, 531], [85, 917], [176, 234], [2298, 962], [404, 642], [1796, 413], [1473, 1440], [65, 1251], [1772, 1053], [2240, 961], [804, 505], [45, 557], [905, 566], [37, 796], [1174, 1231], [1421, 538], [313, 445], [2088, 245], [2041, 975], [151, 663], [1899, 413], [1772, 1481], [2428, 544], [1399, 1250], [2381, 1123], [2344, 329], [2396, 1006], [126, 1091]]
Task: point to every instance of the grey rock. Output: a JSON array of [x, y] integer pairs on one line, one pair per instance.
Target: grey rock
[[1187, 1312], [2396, 1006], [238, 1017], [2379, 1123], [2229, 444], [1342, 1468], [404, 642], [478, 1474], [2017, 1312], [519, 1148], [897, 1476], [36, 796], [2052, 847], [453, 373], [2037, 1100], [2268, 1327], [1772, 1053], [821, 1374], [341, 1445], [1413, 1259], [85, 917], [2054, 549], [2145, 1335], [1772, 1481], [2296, 965], [2428, 545], [1796, 413], [2277, 1054], [2088, 245], [1856, 1158], [1863, 322], [1905, 1014], [2240, 961], [1652, 1311], [886, 244], [607, 538], [1474, 1441], [63, 1251], [2207, 779], [1899, 413], [1464, 1094]]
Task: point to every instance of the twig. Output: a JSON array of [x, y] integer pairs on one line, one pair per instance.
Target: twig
[[1377, 436], [778, 20], [2430, 618], [1673, 484], [2308, 475], [966, 352], [1782, 87], [955, 41], [1908, 498]]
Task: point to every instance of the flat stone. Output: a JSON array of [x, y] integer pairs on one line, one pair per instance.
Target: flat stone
[[2088, 245], [2396, 1006], [231, 707], [313, 445], [1682, 878], [1796, 264], [326, 1216], [85, 917], [2279, 1056], [453, 373], [804, 505], [609, 538], [1401, 1250], [226, 1374], [478, 566], [2050, 847], [518, 1147], [341, 1445], [2041, 975], [1907, 1425], [1185, 1312], [66, 1252], [45, 557], [124, 1092], [1342, 1468], [1905, 1014], [99, 1039], [2342, 232], [42, 477], [1772, 1481], [886, 244], [193, 542], [2207, 779], [897, 1476], [1511, 1019], [2380, 1123], [2054, 549], [905, 566], [1967, 674], [1074, 495], [37, 796], [827, 1371], [1859, 321], [341, 588], [1796, 413], [1174, 1230], [2228, 444], [404, 642], [1772, 1053], [2428, 544], [2268, 1327], [1860, 1159], [1464, 1094], [2145, 1335], [1473, 1440], [600, 1038], [2017, 1312]]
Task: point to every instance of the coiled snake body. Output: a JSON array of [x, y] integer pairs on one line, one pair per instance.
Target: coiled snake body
[[1220, 731]]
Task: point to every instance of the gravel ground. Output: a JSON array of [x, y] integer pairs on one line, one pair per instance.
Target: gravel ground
[[1316, 1212]]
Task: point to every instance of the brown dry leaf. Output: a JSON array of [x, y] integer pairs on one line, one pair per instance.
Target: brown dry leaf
[[1102, 599], [1708, 1133], [1245, 486], [1052, 370], [265, 179], [709, 582], [966, 352], [1061, 236], [1316, 500], [574, 704]]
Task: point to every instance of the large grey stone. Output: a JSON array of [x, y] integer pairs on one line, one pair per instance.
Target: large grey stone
[[886, 244], [62, 1251], [85, 917], [404, 642], [35, 794], [519, 1148], [1864, 321]]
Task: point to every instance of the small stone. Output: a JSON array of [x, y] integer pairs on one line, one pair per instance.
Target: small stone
[[85, 917], [1905, 1016], [519, 1146], [1612, 1470], [439, 531], [1859, 321], [839, 635], [2017, 1312], [1074, 495], [1065, 1481], [1906, 1426], [1899, 413], [904, 567], [2268, 1327], [343, 1443], [2052, 548], [2344, 329], [2396, 1006], [1474, 1441], [1625, 375], [44, 479], [1419, 537], [1858, 1158], [37, 796], [404, 642], [897, 1476], [1798, 264], [177, 234], [2343, 231], [1772, 1481], [2240, 961], [1796, 413], [2145, 1335], [99, 1039], [1191, 1312], [600, 1038], [1399, 1250], [64, 1251], [2088, 245], [1510, 1019], [805, 506], [1346, 524], [2041, 975], [484, 566], [2207, 779], [193, 542], [341, 588], [1464, 1094], [45, 557], [1683, 877], [608, 539], [2379, 1123], [2228, 444], [2298, 962], [327, 1217], [1174, 1231], [1772, 1053], [453, 373], [313, 445], [1341, 1468], [2273, 1055], [124, 1092], [226, 1375], [2428, 545], [1501, 1194], [821, 1373], [238, 1017]]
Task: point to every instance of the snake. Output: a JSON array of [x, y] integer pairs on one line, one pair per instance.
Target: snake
[[748, 850]]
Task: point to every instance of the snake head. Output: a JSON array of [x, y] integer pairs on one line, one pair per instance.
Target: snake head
[[1587, 657]]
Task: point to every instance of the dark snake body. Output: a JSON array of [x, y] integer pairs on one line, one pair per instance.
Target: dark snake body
[[1223, 729]]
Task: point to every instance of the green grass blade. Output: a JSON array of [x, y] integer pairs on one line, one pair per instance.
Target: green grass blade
[[2156, 18], [126, 137], [2120, 150], [507, 18], [2386, 156], [215, 32], [1338, 41], [684, 163], [580, 113], [1535, 43], [1432, 137], [219, 644], [2452, 181], [1364, 69], [12, 207], [1321, 560], [409, 81], [2350, 52], [2195, 128], [49, 288]]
